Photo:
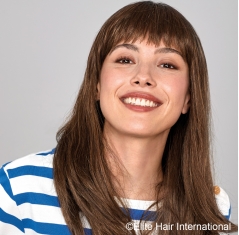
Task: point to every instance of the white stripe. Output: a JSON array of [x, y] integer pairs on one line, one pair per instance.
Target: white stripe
[[85, 222], [31, 183], [8, 205], [137, 204], [10, 229], [31, 160], [223, 202], [41, 213], [31, 232]]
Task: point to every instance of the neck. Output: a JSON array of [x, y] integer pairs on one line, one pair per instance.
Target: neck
[[136, 164]]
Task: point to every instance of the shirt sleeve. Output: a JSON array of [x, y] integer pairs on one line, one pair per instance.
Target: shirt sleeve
[[10, 219], [223, 203]]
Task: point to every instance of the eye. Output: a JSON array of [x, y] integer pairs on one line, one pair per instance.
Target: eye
[[124, 60], [167, 66]]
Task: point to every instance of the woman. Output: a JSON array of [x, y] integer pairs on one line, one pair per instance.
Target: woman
[[134, 157]]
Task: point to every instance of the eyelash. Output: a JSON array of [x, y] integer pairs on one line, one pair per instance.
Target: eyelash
[[129, 61], [168, 66], [121, 59]]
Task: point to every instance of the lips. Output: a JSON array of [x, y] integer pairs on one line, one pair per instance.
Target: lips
[[139, 101]]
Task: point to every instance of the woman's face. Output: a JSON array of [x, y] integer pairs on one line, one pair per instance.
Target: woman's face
[[143, 89]]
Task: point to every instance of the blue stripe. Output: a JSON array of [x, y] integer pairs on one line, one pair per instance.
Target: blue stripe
[[46, 228], [10, 219], [4, 181], [46, 172], [5, 164], [37, 198], [88, 231], [46, 153], [229, 213]]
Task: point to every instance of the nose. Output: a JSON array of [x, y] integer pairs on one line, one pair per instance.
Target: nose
[[143, 77]]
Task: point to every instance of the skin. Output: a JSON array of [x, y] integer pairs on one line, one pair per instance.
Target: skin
[[137, 134]]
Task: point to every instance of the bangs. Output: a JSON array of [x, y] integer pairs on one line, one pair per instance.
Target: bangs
[[154, 22]]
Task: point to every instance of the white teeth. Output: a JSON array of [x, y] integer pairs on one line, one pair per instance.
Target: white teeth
[[140, 102], [137, 101], [127, 100]]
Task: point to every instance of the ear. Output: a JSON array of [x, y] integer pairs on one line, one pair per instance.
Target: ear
[[186, 105], [98, 91]]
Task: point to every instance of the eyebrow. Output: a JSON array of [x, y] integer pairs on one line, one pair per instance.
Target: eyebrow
[[135, 48], [128, 46], [167, 50]]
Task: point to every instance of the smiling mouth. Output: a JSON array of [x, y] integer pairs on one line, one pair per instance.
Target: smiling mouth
[[140, 102]]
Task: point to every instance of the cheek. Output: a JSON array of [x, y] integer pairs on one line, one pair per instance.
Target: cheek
[[177, 88], [110, 81]]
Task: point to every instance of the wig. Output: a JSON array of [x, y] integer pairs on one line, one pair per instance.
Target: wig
[[82, 177]]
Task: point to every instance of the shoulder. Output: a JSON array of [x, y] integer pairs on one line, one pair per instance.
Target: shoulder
[[27, 192], [40, 159], [28, 173], [223, 201]]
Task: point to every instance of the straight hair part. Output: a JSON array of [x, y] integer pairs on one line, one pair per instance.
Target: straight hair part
[[82, 178]]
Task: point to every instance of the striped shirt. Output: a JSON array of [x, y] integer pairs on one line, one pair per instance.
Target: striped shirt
[[29, 203]]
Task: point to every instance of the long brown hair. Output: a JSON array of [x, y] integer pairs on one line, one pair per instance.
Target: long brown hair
[[83, 180]]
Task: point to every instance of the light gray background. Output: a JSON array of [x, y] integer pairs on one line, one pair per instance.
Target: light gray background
[[44, 46]]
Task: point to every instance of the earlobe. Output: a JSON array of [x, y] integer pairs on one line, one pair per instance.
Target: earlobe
[[186, 104]]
